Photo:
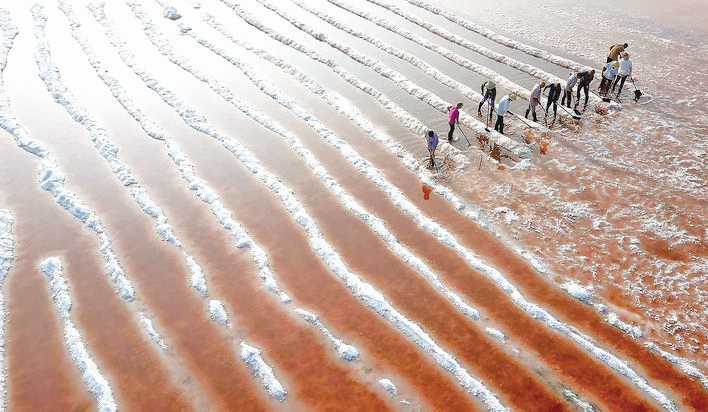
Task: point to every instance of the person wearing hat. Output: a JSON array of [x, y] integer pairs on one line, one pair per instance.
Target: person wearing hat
[[615, 52], [535, 100], [489, 91], [625, 70], [502, 109], [453, 119], [608, 75]]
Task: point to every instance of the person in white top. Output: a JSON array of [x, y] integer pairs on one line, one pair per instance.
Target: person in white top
[[535, 100], [608, 76], [569, 85], [502, 109], [625, 70]]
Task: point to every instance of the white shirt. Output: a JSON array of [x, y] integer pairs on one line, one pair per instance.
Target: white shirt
[[625, 67], [610, 71], [503, 105]]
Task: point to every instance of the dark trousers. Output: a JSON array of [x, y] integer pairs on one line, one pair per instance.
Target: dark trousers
[[586, 89], [452, 130], [553, 102], [567, 95], [620, 80], [489, 96], [499, 125]]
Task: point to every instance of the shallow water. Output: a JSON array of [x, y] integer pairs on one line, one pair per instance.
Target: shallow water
[[615, 210]]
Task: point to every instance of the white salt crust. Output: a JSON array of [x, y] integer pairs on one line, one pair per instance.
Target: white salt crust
[[389, 386], [260, 369], [433, 100], [96, 384], [533, 51], [459, 40], [322, 248], [412, 59], [7, 259], [347, 352]]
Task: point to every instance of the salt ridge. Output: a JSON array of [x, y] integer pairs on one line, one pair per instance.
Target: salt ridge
[[401, 81], [404, 117], [92, 377], [255, 362], [362, 290], [524, 67], [498, 38], [448, 54], [7, 259], [347, 352]]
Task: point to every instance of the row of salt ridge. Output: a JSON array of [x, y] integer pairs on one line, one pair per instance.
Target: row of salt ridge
[[360, 289], [349, 110], [518, 149], [95, 382], [415, 61], [601, 354], [524, 67]]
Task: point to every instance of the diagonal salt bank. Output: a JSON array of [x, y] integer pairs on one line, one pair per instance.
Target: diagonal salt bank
[[344, 198], [410, 87], [7, 259], [518, 149], [447, 53], [417, 62], [95, 382], [261, 370], [322, 248], [496, 37]]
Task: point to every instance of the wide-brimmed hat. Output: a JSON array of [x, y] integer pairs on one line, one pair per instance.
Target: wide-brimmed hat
[[615, 64]]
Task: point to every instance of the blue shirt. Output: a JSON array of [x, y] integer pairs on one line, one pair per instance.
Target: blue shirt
[[432, 141]]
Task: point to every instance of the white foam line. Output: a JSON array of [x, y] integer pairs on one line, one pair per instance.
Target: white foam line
[[254, 360], [448, 54], [524, 67], [346, 199], [360, 289], [422, 94], [7, 259], [347, 352], [498, 38], [345, 107], [404, 117], [95, 382]]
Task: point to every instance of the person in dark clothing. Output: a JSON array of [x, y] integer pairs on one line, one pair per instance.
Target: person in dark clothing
[[584, 79], [554, 92], [569, 84], [489, 91]]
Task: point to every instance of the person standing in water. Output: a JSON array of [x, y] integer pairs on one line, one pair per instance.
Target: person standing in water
[[584, 79], [489, 91], [502, 109], [453, 119], [625, 70], [535, 100], [554, 92], [432, 139], [615, 51], [569, 84]]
